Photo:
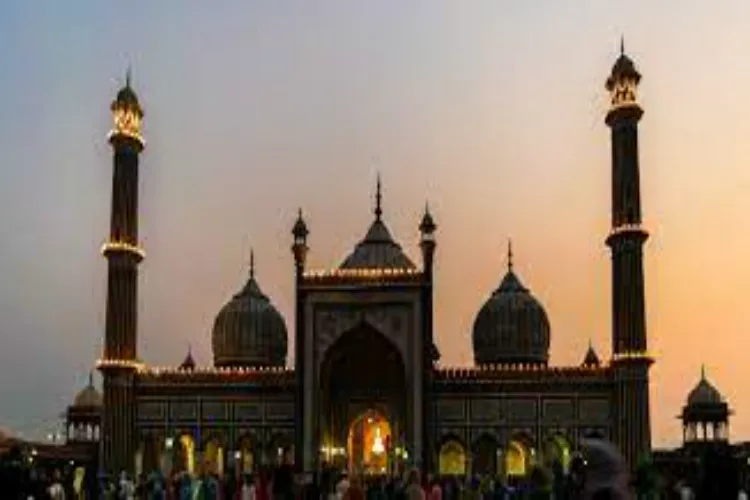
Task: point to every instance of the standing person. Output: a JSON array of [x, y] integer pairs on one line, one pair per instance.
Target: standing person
[[248, 489], [355, 491], [56, 491], [413, 488], [606, 475]]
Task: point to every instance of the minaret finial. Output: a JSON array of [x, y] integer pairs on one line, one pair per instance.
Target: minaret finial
[[91, 378], [510, 255], [128, 75], [703, 371], [252, 263], [378, 199], [622, 45]]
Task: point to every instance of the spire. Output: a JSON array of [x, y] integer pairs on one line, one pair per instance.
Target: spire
[[510, 255], [252, 264], [622, 45], [378, 199]]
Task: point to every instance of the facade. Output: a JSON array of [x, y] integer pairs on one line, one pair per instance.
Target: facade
[[367, 390]]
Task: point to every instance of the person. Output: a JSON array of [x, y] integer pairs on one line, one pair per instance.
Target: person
[[606, 475], [355, 490], [56, 491], [341, 486], [413, 489], [248, 490], [125, 488], [741, 494]]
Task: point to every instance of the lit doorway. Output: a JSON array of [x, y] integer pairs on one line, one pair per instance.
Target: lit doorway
[[369, 443]]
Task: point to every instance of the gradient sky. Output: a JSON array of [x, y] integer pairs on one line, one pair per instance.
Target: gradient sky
[[491, 110]]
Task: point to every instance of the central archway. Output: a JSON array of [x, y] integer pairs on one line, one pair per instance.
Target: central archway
[[362, 391]]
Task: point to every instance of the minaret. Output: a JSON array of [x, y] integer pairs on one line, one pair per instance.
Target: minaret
[[123, 255], [430, 353], [303, 429], [632, 429]]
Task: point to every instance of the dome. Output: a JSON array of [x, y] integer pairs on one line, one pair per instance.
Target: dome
[[89, 396], [512, 326], [704, 393], [624, 68], [378, 249], [249, 330]]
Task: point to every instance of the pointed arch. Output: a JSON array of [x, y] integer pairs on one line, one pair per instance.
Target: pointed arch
[[452, 456], [485, 455]]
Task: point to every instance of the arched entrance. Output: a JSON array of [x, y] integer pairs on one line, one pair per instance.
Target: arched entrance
[[368, 443], [485, 455], [452, 458], [556, 453], [244, 456], [362, 399], [184, 454], [517, 457], [213, 456]]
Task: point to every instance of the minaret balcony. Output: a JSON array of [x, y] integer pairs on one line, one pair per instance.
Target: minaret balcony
[[112, 247]]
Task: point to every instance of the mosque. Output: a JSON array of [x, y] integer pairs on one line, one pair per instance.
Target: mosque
[[367, 390]]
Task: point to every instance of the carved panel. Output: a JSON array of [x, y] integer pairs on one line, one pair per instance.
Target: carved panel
[[152, 410], [451, 409], [183, 410], [522, 410], [593, 410], [485, 410], [214, 411], [558, 411], [248, 411], [392, 320], [280, 410]]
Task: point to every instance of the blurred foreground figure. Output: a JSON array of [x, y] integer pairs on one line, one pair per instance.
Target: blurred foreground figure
[[605, 475]]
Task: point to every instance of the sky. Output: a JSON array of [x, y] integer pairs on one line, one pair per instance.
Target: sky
[[491, 110]]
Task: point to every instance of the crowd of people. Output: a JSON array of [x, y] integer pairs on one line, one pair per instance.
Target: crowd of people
[[599, 474]]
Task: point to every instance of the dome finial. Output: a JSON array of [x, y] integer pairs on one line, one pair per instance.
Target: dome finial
[[510, 255], [252, 263], [703, 371], [622, 44], [91, 378], [128, 75], [378, 199]]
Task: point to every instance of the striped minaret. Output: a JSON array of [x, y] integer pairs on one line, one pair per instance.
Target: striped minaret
[[123, 254], [632, 428]]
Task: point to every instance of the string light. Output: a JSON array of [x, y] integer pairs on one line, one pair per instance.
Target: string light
[[363, 273], [123, 246]]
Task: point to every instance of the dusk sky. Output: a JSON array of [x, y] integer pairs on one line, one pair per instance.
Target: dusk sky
[[491, 110]]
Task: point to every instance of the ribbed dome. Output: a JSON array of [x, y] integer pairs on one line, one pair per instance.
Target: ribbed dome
[[704, 393], [511, 327], [249, 331], [377, 250], [89, 396]]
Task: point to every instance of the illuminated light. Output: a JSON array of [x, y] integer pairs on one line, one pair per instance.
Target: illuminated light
[[127, 123], [118, 363], [623, 93], [632, 356], [121, 246], [377, 444], [627, 228]]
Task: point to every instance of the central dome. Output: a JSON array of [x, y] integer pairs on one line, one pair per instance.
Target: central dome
[[249, 330], [512, 326], [378, 249]]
